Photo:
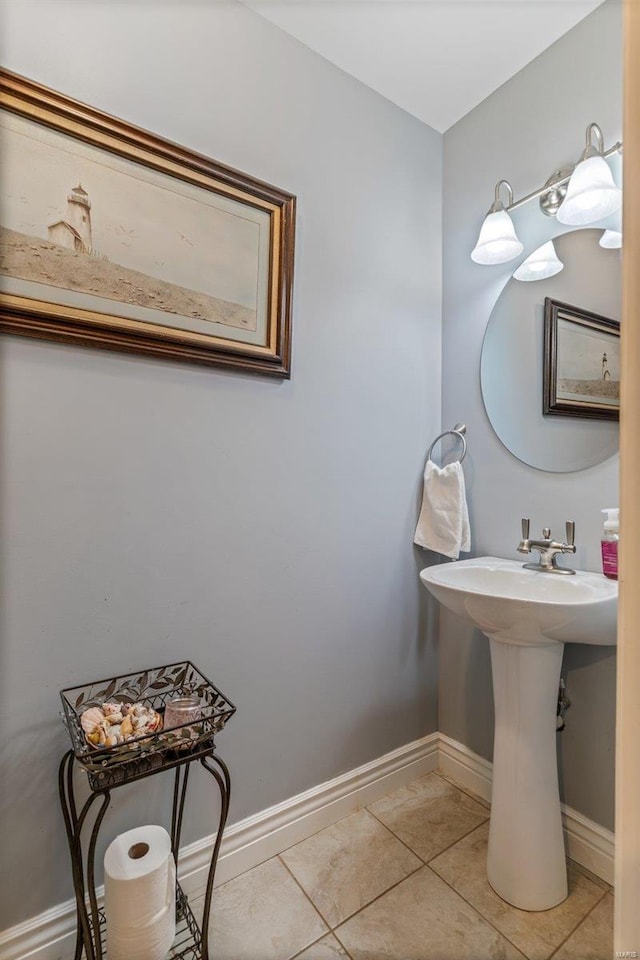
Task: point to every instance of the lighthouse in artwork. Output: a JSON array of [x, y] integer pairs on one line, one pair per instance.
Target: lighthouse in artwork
[[75, 231]]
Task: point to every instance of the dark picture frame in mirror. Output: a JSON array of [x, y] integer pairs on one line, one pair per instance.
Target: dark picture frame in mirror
[[581, 376]]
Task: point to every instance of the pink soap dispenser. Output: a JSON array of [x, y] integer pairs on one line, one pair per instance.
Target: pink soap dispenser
[[609, 543]]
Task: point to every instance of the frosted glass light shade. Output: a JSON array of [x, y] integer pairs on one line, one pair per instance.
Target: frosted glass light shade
[[497, 242], [591, 195], [542, 263], [611, 240]]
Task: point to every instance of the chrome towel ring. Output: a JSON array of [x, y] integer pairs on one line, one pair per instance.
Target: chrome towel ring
[[458, 431]]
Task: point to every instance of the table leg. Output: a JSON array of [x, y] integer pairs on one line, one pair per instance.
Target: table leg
[[87, 934], [179, 794], [222, 778]]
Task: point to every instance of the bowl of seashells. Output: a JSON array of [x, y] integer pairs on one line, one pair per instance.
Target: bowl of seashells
[[115, 723]]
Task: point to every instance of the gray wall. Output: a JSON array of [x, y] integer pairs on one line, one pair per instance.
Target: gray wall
[[524, 131], [154, 511]]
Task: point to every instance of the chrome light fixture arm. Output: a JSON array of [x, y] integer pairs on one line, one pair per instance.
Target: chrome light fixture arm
[[497, 204]]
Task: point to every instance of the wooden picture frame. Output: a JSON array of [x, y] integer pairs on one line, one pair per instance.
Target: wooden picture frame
[[581, 371], [159, 251]]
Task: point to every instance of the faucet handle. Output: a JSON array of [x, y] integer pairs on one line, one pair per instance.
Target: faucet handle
[[525, 528], [546, 533], [571, 532]]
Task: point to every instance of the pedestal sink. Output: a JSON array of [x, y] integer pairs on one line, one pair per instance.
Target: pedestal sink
[[528, 616]]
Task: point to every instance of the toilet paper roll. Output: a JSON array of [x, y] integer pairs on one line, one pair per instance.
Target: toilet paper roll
[[140, 894]]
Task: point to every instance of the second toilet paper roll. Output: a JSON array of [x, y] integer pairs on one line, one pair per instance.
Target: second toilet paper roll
[[140, 894]]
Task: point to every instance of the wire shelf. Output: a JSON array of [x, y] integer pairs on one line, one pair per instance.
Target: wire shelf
[[187, 944]]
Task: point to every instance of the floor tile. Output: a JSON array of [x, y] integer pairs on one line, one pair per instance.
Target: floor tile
[[262, 913], [326, 949], [593, 940], [599, 882], [345, 866], [423, 919], [470, 793], [429, 814], [537, 935]]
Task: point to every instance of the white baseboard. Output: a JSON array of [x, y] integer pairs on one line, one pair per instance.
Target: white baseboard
[[51, 935], [587, 842], [466, 767]]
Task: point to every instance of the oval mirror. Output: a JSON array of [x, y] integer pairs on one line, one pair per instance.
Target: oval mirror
[[512, 360]]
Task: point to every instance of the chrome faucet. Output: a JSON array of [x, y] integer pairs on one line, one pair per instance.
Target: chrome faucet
[[548, 548]]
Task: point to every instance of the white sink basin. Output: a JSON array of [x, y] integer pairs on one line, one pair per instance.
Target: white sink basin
[[528, 617], [525, 606]]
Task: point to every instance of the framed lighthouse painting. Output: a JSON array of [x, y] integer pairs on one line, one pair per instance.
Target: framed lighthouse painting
[[113, 237]]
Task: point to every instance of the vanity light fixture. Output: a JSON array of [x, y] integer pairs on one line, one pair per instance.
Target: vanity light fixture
[[577, 195], [542, 263], [611, 240], [497, 242]]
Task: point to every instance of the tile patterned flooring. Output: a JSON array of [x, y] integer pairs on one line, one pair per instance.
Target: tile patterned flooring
[[403, 879]]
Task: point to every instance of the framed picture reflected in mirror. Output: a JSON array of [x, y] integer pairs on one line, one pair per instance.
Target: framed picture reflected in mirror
[[581, 376]]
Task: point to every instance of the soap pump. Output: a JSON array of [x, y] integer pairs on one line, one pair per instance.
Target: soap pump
[[609, 543]]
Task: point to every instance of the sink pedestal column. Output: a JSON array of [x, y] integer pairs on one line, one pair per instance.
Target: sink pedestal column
[[526, 862]]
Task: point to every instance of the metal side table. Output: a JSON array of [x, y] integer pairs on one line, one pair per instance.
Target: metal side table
[[108, 768]]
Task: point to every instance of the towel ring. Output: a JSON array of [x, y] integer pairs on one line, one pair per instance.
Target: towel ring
[[458, 431]]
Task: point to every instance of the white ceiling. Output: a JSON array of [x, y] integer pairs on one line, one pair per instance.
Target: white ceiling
[[435, 58]]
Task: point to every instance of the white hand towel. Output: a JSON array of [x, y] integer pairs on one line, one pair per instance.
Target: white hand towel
[[443, 524]]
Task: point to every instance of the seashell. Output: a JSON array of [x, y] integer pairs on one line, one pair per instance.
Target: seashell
[[114, 723], [91, 719], [126, 728]]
